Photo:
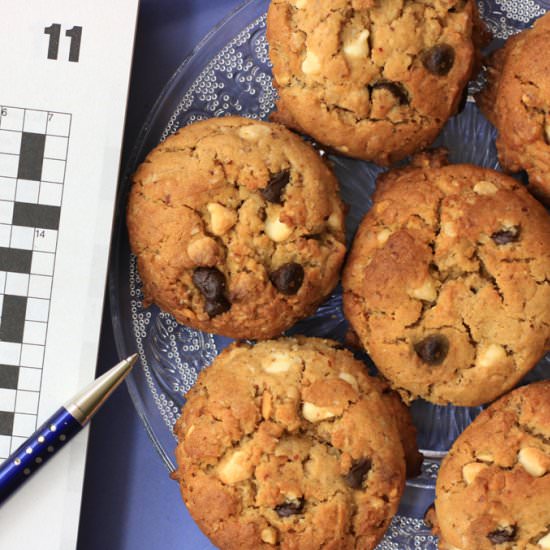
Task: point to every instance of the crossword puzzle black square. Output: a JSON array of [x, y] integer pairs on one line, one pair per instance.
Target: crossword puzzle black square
[[36, 215], [31, 156], [13, 318], [9, 376], [6, 423], [15, 260]]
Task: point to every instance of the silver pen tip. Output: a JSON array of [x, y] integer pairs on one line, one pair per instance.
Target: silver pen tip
[[86, 403]]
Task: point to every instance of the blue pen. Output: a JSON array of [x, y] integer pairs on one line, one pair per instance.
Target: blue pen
[[60, 428]]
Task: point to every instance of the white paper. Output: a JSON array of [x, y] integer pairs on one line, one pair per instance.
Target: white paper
[[64, 73]]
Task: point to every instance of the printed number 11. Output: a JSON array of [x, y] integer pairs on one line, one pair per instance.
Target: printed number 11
[[54, 32]]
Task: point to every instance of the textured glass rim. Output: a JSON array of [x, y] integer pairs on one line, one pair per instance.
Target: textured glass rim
[[119, 227]]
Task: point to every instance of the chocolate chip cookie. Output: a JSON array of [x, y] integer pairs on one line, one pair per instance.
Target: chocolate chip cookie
[[448, 281], [290, 444], [376, 80], [517, 101], [493, 488], [237, 226]]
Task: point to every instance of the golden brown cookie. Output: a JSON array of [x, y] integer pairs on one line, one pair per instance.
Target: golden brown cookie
[[237, 226], [405, 426], [517, 101], [289, 444], [493, 488], [448, 281], [373, 79]]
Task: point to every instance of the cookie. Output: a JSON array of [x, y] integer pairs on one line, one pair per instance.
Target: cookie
[[289, 444], [448, 281], [405, 426], [517, 101], [375, 80], [237, 226], [493, 487]]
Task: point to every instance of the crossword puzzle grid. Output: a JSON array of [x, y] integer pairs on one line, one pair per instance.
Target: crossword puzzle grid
[[33, 153]]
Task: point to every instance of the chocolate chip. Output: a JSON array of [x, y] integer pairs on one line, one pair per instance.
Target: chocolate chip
[[504, 534], [357, 473], [288, 278], [217, 306], [433, 349], [275, 187], [210, 281], [506, 236], [439, 59], [395, 88], [290, 508], [211, 284]]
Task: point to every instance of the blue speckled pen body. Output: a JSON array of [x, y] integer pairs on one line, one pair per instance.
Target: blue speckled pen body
[[60, 428], [47, 440]]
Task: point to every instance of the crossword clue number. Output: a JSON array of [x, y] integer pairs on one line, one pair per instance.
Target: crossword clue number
[[33, 153]]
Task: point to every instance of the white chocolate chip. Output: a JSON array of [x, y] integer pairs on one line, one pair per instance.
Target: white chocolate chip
[[491, 355], [449, 229], [311, 63], [347, 377], [343, 148], [221, 218], [278, 363], [358, 46], [190, 431], [313, 413], [485, 457], [269, 535], [485, 188], [203, 251], [383, 236], [426, 292], [382, 206], [267, 402], [532, 459], [544, 542], [335, 221], [299, 4], [276, 230], [472, 470], [235, 468], [254, 132]]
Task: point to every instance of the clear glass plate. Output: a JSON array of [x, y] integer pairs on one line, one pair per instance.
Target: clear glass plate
[[229, 73]]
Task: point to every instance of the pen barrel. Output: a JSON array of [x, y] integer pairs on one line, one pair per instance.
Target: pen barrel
[[49, 438]]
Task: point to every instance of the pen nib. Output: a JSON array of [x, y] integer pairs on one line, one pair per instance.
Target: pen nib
[[86, 403]]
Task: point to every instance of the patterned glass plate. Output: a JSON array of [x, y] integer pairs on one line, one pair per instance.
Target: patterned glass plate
[[229, 73]]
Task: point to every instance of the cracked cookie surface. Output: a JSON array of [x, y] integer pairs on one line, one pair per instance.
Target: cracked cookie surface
[[237, 226], [493, 487], [448, 281], [373, 79], [517, 101], [291, 444]]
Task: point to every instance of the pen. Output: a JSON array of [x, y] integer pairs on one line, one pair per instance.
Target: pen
[[60, 428]]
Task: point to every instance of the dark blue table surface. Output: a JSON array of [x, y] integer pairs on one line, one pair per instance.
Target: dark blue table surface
[[129, 502]]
